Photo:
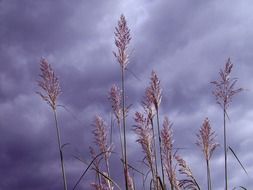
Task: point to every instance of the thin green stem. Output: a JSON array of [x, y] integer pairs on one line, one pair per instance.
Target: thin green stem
[[60, 150]]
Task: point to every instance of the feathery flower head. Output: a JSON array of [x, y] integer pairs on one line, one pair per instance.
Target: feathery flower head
[[145, 136], [167, 148], [206, 139], [49, 84], [154, 91], [122, 39], [224, 87], [167, 135], [100, 133], [115, 98], [148, 103], [184, 169]]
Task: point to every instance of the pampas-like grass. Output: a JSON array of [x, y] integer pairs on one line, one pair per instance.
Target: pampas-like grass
[[224, 91], [147, 134], [155, 93], [101, 140], [122, 40], [51, 90], [206, 141], [145, 138], [189, 182], [167, 153]]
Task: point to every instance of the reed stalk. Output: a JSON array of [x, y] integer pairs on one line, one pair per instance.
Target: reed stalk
[[156, 96], [50, 92], [149, 108], [224, 91], [206, 141], [122, 39]]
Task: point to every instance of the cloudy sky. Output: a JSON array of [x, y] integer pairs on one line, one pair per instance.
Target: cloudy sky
[[186, 42]]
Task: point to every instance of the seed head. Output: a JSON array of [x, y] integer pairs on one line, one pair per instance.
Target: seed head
[[122, 39], [189, 182], [148, 103], [167, 136], [206, 139], [167, 152], [49, 84], [145, 137], [115, 98], [100, 134], [225, 86], [154, 91]]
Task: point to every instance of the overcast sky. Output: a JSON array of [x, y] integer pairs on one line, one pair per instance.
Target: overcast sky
[[186, 42]]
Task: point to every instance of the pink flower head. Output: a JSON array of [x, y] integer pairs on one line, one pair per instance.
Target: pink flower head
[[49, 84], [122, 39]]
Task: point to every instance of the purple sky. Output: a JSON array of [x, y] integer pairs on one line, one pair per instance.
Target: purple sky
[[186, 42]]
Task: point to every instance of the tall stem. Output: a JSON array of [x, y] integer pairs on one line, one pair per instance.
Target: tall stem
[[171, 173], [121, 144], [225, 147], [60, 150], [154, 146], [124, 126], [209, 184], [160, 146], [108, 171]]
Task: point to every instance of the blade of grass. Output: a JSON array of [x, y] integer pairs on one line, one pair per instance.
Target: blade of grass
[[89, 165], [238, 160]]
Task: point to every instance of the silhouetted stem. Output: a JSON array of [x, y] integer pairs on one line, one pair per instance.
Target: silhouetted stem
[[60, 150]]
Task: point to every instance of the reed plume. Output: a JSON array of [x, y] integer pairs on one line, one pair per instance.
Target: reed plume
[[51, 90], [148, 103], [167, 153], [115, 98], [224, 91], [154, 94], [145, 138], [190, 182], [206, 141], [101, 140], [149, 108], [96, 167], [122, 40], [49, 83]]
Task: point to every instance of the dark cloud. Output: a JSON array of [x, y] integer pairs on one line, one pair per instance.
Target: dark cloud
[[185, 42]]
